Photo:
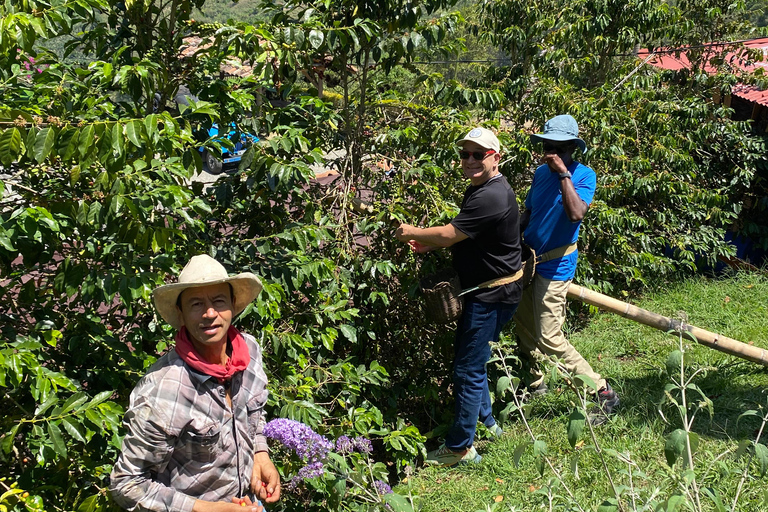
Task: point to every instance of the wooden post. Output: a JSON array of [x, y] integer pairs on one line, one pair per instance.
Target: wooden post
[[663, 323]]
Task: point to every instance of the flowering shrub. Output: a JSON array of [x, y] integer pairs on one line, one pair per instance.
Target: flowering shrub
[[323, 475]]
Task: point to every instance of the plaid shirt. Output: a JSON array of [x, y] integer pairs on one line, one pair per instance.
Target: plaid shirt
[[183, 441]]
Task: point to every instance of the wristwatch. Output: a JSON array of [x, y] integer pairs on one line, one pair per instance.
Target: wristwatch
[[564, 175]]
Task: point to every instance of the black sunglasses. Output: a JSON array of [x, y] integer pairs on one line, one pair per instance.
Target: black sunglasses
[[477, 155], [558, 148]]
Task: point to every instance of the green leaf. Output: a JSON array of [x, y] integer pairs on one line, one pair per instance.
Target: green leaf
[[714, 495], [58, 442], [73, 401], [576, 422], [89, 504], [584, 380], [6, 442], [349, 332], [73, 429], [99, 399], [609, 505], [67, 143], [10, 145], [338, 490], [674, 360], [316, 38], [674, 446], [85, 144], [397, 502], [118, 140], [693, 440], [519, 451], [502, 385], [44, 143], [52, 399], [133, 131], [761, 454], [540, 452]]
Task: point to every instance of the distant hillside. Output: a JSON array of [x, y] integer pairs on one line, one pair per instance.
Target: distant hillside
[[223, 10]]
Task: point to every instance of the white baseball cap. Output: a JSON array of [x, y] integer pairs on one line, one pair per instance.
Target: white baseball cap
[[483, 137]]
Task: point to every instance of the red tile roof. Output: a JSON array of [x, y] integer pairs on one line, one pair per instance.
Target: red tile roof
[[678, 60]]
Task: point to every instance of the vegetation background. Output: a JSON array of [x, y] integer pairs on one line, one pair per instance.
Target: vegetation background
[[98, 208]]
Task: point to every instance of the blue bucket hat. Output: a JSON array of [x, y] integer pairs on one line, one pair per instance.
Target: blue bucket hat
[[561, 129]]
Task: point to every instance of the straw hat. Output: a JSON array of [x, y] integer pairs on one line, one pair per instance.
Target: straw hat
[[202, 270]]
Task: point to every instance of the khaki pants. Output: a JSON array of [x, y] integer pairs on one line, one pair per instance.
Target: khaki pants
[[539, 322]]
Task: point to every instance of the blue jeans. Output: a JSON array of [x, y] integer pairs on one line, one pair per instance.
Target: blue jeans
[[480, 323]]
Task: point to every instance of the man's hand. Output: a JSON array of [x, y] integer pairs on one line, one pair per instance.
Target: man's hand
[[265, 480], [554, 162], [420, 248], [237, 505], [405, 232]]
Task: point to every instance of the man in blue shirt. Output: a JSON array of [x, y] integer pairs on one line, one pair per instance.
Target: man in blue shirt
[[560, 195]]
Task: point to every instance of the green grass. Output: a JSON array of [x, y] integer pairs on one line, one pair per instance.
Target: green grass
[[632, 357]]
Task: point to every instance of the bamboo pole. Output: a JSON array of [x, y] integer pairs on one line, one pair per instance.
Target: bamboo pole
[[663, 323]]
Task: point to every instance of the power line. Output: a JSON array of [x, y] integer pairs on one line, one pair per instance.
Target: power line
[[651, 51]]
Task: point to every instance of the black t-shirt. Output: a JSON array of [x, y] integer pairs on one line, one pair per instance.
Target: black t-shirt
[[489, 217]]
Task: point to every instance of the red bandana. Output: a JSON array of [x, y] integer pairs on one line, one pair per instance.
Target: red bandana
[[237, 362]]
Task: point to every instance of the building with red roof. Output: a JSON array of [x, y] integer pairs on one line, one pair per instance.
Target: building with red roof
[[747, 101]]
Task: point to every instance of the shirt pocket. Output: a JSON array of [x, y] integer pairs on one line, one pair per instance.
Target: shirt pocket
[[254, 410], [201, 446]]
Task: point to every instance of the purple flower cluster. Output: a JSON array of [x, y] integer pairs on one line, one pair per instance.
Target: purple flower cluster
[[308, 445], [382, 487], [345, 445]]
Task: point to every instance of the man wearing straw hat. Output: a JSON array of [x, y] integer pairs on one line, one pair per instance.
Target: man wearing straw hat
[[559, 197], [485, 241], [194, 425]]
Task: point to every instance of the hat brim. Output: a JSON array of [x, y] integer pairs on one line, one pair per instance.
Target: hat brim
[[460, 143], [245, 287], [557, 137]]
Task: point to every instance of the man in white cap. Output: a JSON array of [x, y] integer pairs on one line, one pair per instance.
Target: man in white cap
[[194, 425], [559, 197], [485, 241]]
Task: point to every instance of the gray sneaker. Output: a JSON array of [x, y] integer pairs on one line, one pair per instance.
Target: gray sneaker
[[496, 431], [445, 457]]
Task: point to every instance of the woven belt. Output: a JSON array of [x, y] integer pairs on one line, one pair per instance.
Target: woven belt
[[557, 252], [495, 282]]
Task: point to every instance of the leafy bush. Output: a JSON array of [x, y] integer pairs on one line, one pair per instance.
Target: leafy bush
[[97, 208]]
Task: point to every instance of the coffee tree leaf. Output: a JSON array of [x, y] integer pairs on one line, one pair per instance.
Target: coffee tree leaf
[[10, 145], [52, 399], [6, 441], [72, 428], [73, 401], [44, 143], [90, 504], [54, 435]]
